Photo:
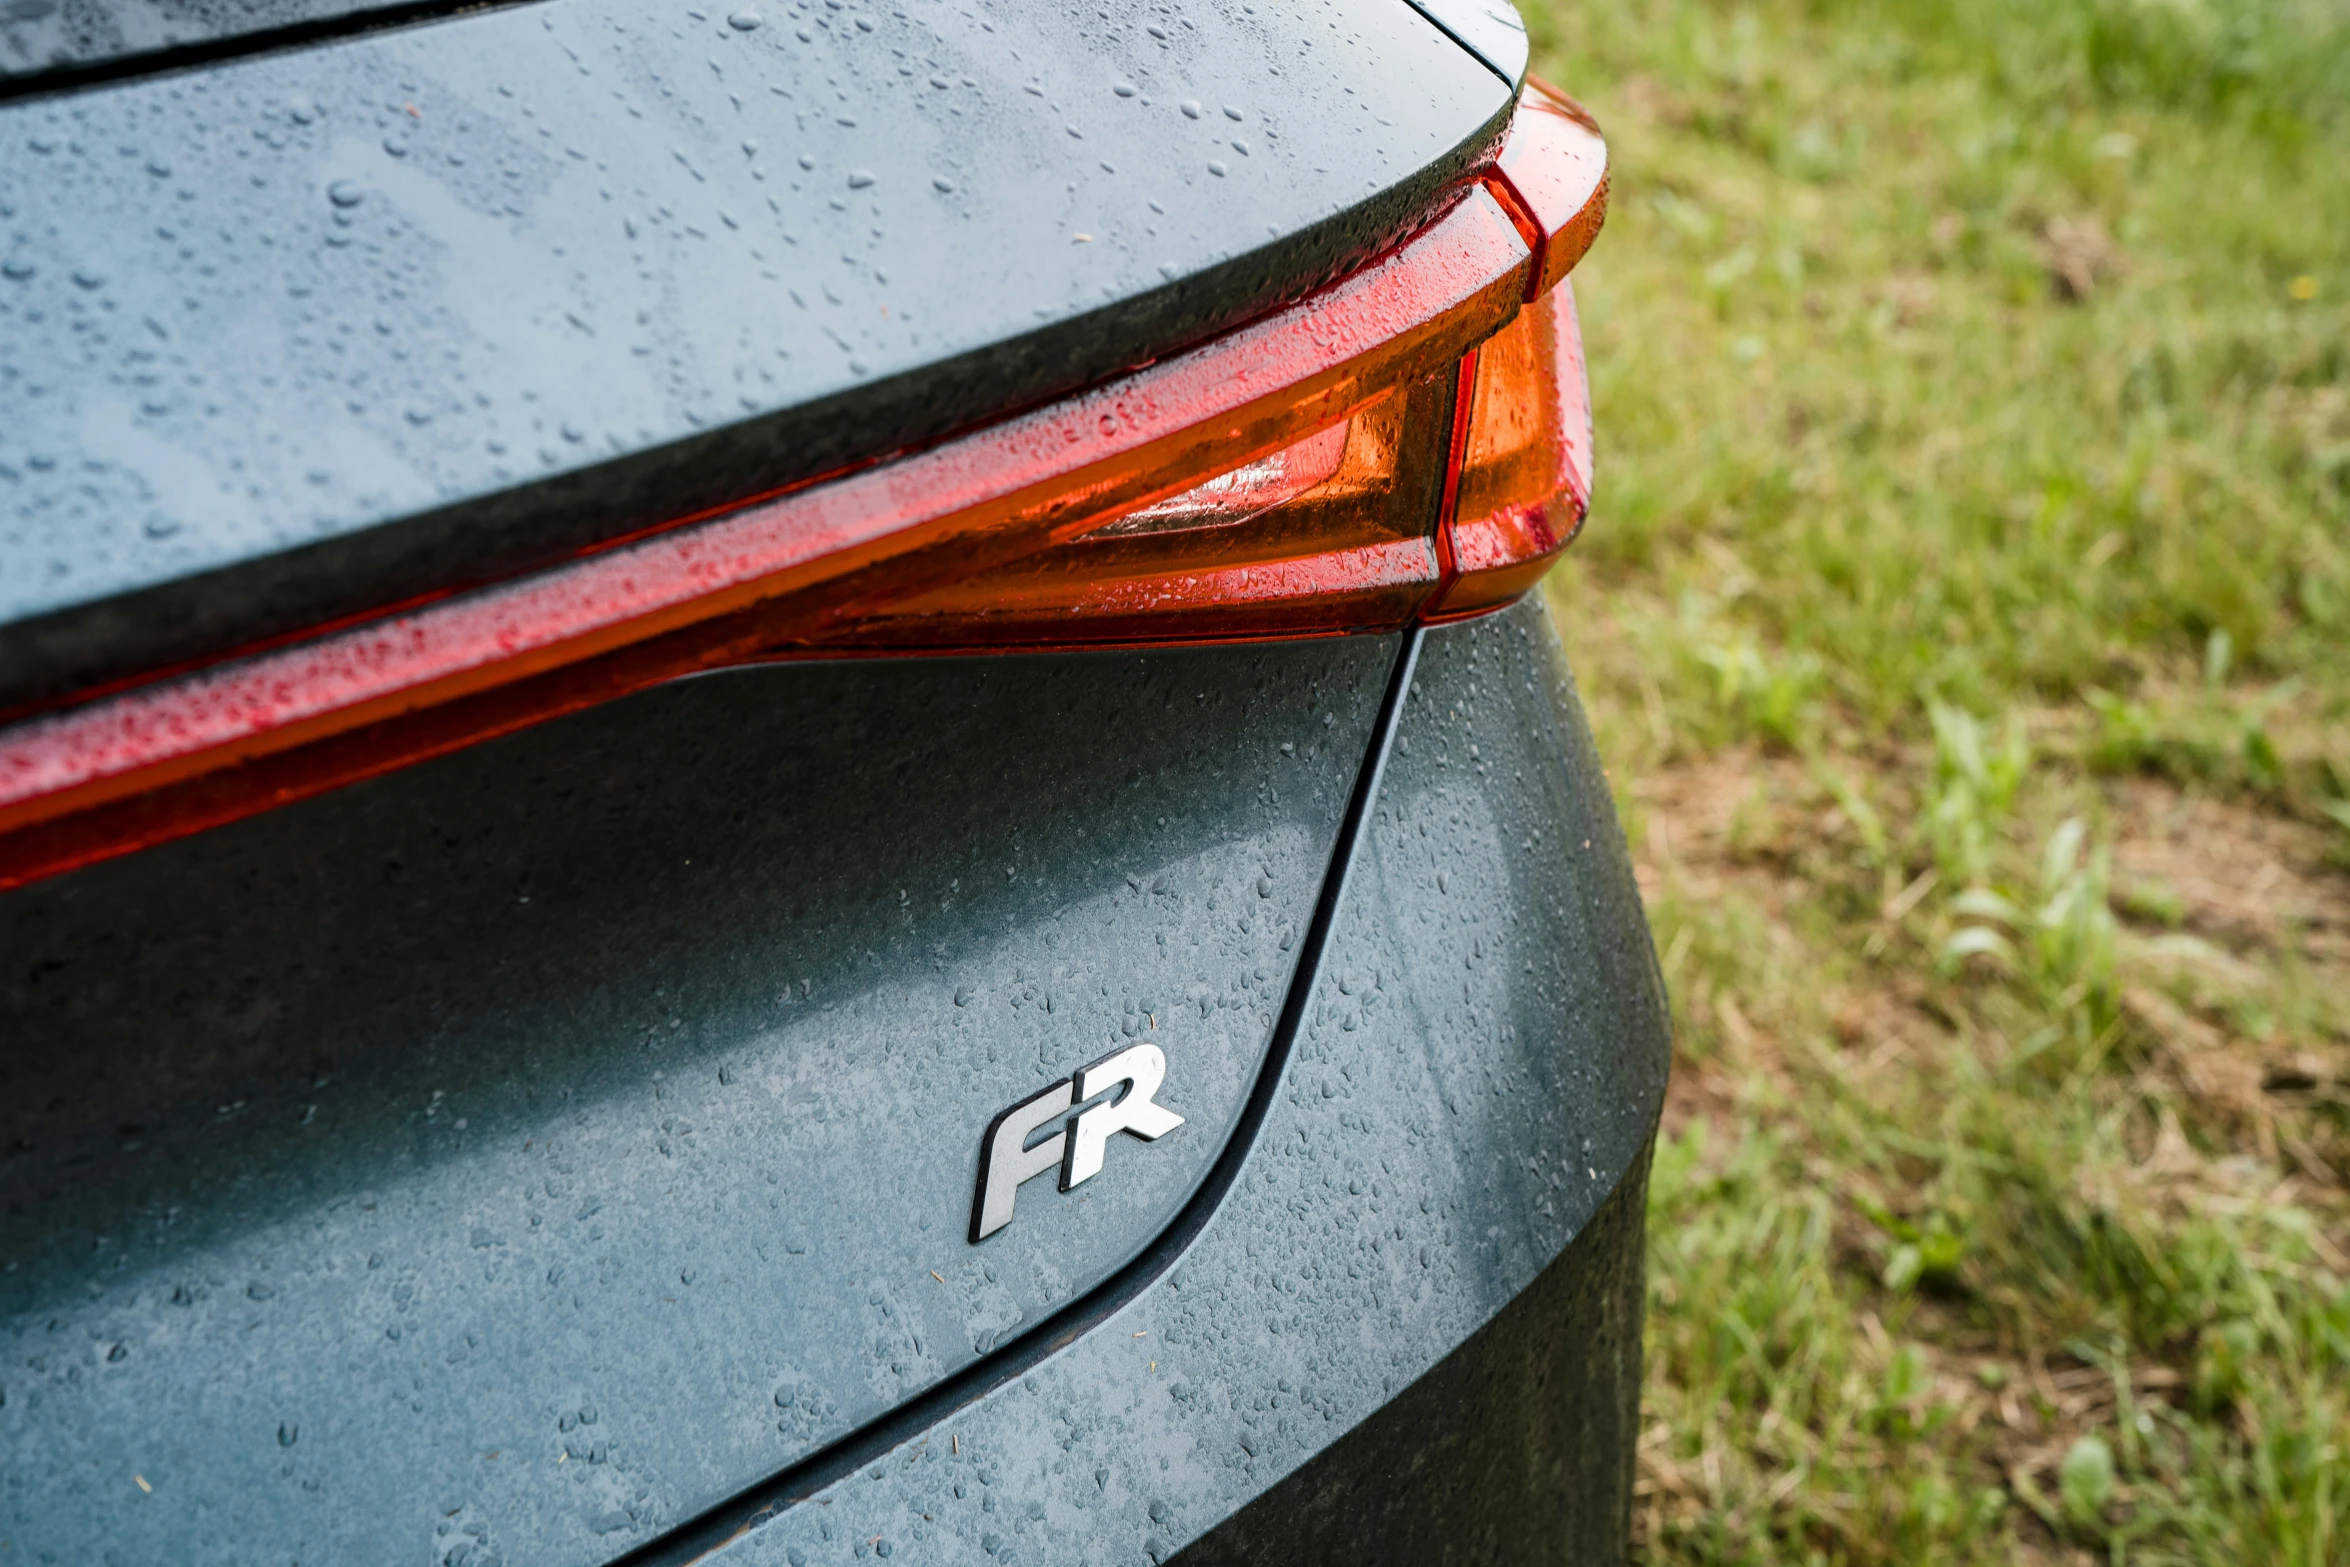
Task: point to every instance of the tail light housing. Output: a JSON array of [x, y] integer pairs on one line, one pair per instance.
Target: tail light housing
[[1410, 444]]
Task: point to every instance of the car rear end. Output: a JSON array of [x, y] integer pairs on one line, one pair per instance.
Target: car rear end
[[775, 787]]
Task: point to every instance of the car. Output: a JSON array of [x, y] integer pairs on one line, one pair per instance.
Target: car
[[776, 786]]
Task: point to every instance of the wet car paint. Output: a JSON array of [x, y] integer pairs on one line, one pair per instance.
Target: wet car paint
[[1519, 1446], [295, 336], [1476, 1072], [1491, 30], [46, 43], [607, 1097]]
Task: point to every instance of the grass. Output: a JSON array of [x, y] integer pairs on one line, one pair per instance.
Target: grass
[[1966, 616]]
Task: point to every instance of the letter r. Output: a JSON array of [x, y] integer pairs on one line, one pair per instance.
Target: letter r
[[1140, 1069]]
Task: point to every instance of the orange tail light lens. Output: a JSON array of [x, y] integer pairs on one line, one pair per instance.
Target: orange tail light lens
[[1328, 533], [1525, 474], [1356, 461]]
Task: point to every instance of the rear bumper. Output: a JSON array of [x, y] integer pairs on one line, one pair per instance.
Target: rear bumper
[[1516, 1447], [1429, 1255]]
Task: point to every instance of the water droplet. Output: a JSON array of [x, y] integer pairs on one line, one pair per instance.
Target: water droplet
[[16, 269], [287, 1433], [946, 187], [860, 178], [396, 147], [86, 278], [1156, 31], [1191, 108], [1216, 167], [745, 20], [346, 193], [1125, 89], [1240, 146], [1230, 113]]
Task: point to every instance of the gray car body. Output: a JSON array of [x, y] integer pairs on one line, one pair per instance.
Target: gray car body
[[560, 1152]]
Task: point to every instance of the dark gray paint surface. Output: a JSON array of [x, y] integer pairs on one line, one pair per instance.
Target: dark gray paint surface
[[296, 336], [1491, 30], [1519, 1446], [53, 37], [526, 1150], [1482, 1066]]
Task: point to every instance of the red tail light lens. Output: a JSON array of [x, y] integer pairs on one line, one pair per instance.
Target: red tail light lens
[[1330, 468], [1555, 165]]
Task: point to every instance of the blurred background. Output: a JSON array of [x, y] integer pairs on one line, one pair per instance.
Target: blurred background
[[1966, 614]]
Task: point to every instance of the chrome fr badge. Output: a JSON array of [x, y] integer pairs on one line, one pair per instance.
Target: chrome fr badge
[[1006, 1157]]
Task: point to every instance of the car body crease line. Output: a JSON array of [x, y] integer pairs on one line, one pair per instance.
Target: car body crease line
[[719, 1526]]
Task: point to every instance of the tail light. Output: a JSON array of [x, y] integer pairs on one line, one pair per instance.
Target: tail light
[[1524, 480], [1411, 443]]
